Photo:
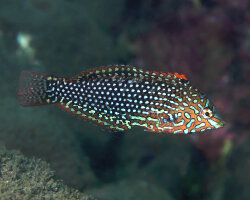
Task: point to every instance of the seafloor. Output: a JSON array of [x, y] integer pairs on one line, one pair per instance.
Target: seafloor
[[209, 41]]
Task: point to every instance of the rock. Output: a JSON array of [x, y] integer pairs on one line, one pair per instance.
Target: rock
[[132, 189]]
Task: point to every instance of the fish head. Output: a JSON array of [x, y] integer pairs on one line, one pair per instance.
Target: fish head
[[199, 113]]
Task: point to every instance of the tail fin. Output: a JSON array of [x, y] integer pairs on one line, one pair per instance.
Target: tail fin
[[32, 89]]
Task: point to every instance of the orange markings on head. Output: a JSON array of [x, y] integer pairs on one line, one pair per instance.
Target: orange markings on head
[[181, 76]]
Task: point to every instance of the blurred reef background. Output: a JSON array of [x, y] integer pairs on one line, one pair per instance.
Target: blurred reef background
[[208, 40]]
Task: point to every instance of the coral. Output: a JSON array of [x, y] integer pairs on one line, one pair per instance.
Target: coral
[[23, 178]]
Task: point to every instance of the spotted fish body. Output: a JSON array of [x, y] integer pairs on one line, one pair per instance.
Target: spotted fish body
[[122, 97]]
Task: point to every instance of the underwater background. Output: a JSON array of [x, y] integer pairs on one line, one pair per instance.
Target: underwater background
[[47, 153]]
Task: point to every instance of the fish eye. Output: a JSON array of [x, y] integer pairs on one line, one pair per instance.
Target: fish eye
[[207, 113]]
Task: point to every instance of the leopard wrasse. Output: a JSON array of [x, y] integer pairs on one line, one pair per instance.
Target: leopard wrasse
[[120, 97]]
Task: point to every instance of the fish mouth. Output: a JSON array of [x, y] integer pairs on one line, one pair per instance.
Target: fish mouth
[[217, 121], [221, 123]]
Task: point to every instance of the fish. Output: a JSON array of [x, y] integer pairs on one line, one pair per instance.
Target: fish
[[120, 97]]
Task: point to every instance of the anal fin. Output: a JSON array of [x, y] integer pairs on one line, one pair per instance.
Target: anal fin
[[108, 123]]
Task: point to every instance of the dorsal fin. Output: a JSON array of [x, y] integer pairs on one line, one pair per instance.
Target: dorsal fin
[[104, 71], [125, 71]]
